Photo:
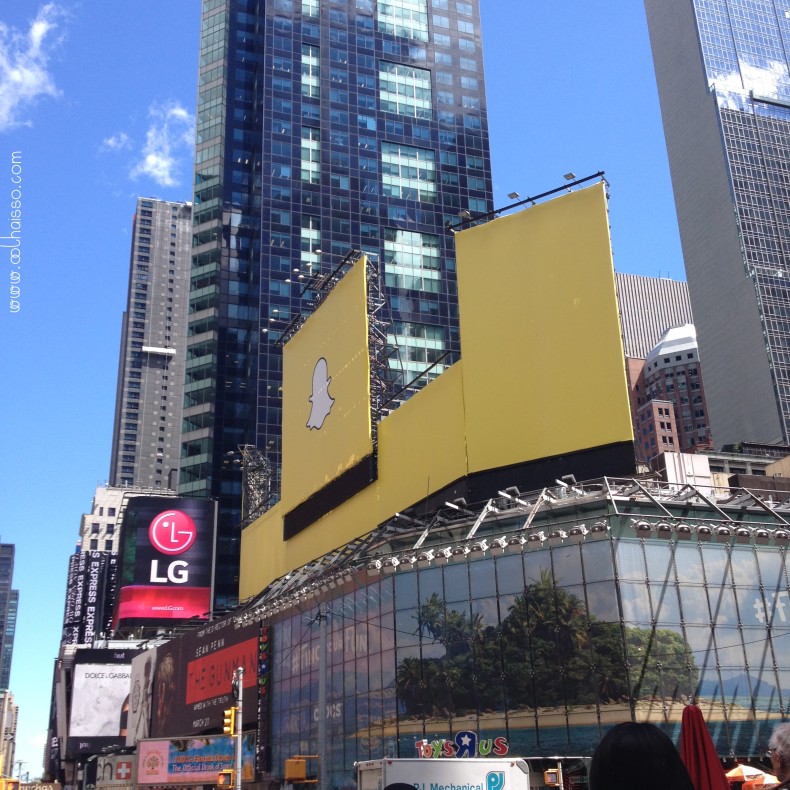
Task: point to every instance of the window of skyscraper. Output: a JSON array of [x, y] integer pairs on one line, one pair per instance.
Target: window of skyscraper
[[310, 71], [408, 172], [405, 90], [404, 18]]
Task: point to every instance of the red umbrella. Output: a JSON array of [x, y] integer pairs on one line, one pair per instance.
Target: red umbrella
[[698, 752]]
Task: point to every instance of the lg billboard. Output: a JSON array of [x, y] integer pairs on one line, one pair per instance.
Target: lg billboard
[[167, 558]]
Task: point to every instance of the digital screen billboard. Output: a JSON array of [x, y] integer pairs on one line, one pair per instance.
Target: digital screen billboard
[[184, 686], [192, 761], [90, 590], [101, 683], [140, 700], [167, 557]]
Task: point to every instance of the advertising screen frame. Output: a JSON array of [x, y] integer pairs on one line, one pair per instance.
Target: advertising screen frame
[[101, 682], [189, 680], [167, 557], [192, 761]]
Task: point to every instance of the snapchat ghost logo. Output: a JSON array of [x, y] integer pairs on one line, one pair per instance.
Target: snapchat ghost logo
[[321, 400]]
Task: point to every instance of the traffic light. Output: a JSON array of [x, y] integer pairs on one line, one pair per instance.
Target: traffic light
[[226, 778], [229, 721], [552, 777]]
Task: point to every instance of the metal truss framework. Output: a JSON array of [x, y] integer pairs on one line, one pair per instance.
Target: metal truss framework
[[570, 512]]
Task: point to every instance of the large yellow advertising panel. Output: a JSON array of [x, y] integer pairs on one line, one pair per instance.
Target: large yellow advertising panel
[[326, 388], [540, 334], [540, 390]]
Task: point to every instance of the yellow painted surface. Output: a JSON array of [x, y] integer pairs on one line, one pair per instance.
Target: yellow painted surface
[[540, 333], [326, 426], [422, 444], [542, 374]]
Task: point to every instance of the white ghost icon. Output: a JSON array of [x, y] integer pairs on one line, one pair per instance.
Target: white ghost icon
[[321, 399]]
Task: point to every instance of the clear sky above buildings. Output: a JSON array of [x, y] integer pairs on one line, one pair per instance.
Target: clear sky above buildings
[[98, 99]]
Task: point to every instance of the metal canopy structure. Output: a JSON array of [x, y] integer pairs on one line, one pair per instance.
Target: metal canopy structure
[[570, 512]]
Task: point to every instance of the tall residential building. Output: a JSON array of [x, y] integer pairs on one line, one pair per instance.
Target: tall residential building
[[667, 397], [9, 605], [322, 127], [9, 716], [724, 84], [148, 401]]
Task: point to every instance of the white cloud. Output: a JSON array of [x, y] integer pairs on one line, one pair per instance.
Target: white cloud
[[770, 81], [116, 142], [170, 135], [24, 57]]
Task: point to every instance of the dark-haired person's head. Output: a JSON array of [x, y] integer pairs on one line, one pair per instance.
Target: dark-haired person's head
[[637, 755], [780, 752]]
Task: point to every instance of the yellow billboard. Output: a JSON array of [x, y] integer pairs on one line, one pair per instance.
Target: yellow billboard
[[544, 372], [540, 390], [326, 392]]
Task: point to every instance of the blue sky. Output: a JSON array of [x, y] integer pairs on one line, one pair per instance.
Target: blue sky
[[99, 99]]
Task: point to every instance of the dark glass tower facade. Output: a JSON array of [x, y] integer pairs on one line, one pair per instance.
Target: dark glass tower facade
[[322, 127], [724, 83], [9, 605]]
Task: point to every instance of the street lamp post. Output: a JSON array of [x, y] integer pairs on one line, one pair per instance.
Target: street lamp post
[[238, 692]]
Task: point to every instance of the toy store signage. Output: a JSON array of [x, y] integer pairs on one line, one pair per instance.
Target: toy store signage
[[465, 744]]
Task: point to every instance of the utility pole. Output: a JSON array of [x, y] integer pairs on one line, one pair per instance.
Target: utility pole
[[19, 764], [238, 693], [322, 755]]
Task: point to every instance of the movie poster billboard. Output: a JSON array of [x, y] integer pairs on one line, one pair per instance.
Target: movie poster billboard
[[184, 686], [192, 761], [167, 559], [99, 700]]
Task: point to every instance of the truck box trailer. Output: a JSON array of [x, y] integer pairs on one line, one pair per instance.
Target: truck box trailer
[[426, 774]]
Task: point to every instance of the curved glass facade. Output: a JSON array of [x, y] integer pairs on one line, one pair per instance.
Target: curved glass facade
[[545, 641]]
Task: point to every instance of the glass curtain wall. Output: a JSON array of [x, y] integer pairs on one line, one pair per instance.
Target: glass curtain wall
[[546, 647]]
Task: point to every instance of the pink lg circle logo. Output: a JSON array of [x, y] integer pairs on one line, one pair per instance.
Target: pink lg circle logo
[[172, 532]]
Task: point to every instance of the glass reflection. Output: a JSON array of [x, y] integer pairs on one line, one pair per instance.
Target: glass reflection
[[500, 643]]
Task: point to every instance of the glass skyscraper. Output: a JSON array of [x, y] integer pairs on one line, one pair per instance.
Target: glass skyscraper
[[9, 605], [322, 127], [724, 83]]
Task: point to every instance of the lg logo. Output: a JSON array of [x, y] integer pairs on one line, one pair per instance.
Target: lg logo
[[171, 532]]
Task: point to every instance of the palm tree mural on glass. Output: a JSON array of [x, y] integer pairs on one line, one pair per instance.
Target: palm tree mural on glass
[[546, 652]]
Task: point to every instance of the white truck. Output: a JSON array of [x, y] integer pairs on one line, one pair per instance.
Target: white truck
[[443, 774]]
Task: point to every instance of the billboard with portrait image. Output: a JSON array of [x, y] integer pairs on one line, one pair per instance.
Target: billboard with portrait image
[[167, 559], [141, 696], [192, 675], [99, 700]]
